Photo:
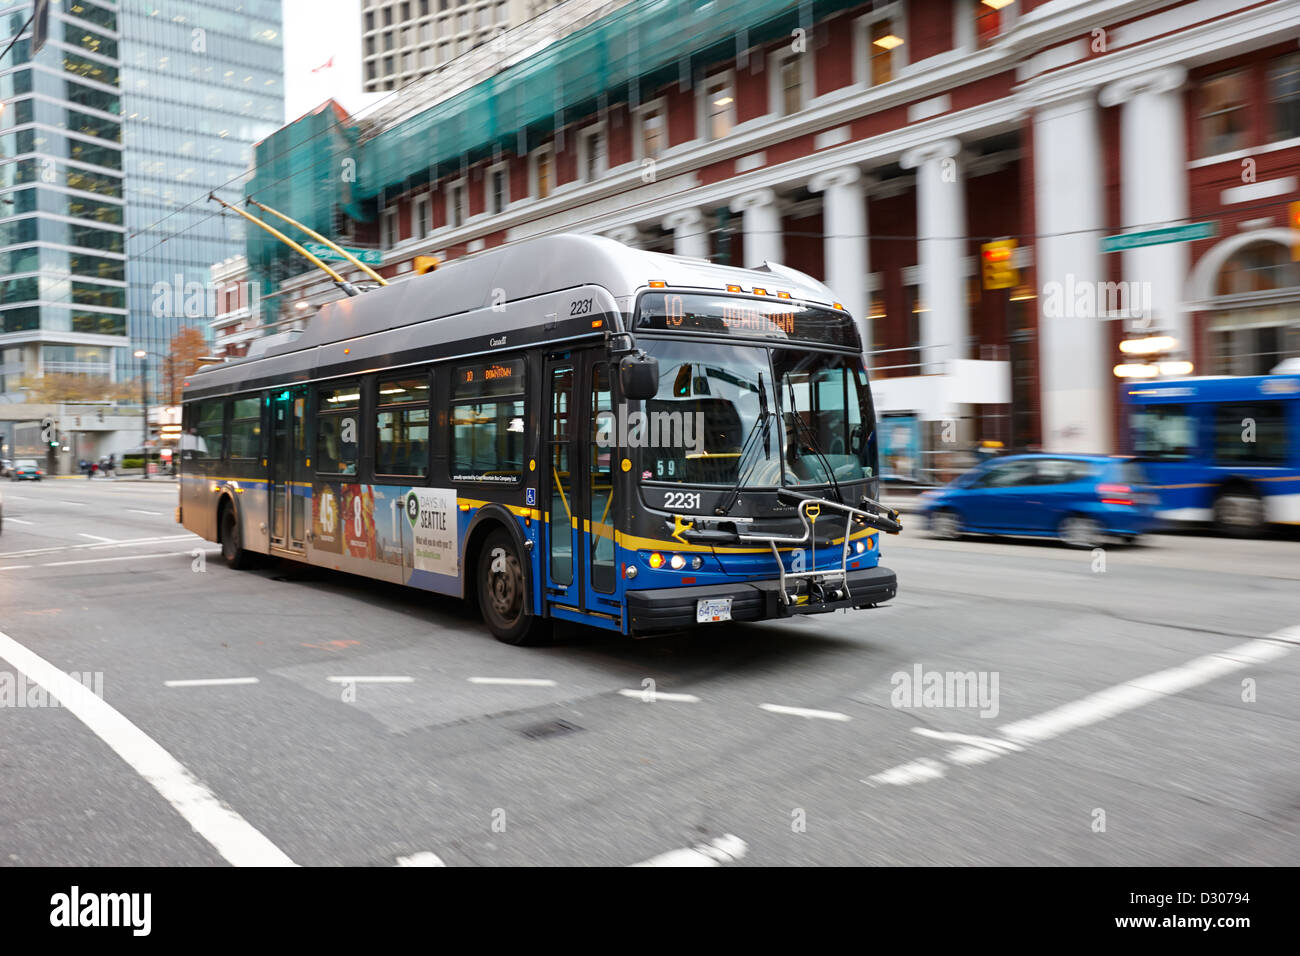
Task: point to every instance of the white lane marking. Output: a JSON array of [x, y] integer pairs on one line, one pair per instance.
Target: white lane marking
[[372, 680], [121, 557], [141, 511], [725, 849], [125, 543], [210, 682], [1094, 708], [514, 681], [651, 697], [75, 504], [21, 521], [804, 712], [423, 858], [238, 842], [95, 537], [15, 567]]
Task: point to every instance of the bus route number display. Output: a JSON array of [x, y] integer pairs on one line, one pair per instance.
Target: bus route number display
[[490, 378], [752, 318]]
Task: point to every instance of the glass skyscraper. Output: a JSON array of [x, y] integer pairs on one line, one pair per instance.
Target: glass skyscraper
[[202, 80], [110, 139], [62, 219]]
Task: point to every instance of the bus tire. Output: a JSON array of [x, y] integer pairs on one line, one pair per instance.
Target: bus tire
[[503, 593], [1239, 512], [232, 545]]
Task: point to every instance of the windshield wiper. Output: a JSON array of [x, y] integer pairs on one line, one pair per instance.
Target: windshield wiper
[[813, 445], [764, 413]]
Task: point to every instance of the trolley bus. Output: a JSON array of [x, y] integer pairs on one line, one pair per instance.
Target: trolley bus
[[565, 428]]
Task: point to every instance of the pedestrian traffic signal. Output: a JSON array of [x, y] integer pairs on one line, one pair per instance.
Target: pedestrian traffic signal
[[998, 264]]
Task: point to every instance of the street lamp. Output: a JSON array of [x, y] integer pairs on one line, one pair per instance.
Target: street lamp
[[143, 356]]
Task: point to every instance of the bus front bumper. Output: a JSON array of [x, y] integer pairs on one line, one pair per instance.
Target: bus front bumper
[[666, 609]]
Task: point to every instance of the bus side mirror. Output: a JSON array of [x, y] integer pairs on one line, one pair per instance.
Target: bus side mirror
[[639, 375]]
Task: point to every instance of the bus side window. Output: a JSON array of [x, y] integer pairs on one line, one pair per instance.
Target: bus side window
[[604, 572], [338, 428]]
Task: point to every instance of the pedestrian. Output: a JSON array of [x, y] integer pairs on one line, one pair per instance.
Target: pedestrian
[[94, 467], [112, 467]]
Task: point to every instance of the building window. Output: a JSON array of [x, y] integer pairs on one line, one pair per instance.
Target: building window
[[1221, 116], [456, 204], [991, 18], [543, 172], [1284, 95], [390, 236], [654, 132], [498, 189], [880, 52], [720, 107], [402, 427], [422, 217], [594, 158], [790, 78]]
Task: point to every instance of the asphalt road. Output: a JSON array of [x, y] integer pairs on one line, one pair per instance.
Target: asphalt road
[[1145, 712]]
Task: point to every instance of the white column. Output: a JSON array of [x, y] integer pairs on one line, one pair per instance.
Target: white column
[[762, 227], [941, 251], [1073, 348], [690, 233], [844, 222], [628, 235], [1153, 190]]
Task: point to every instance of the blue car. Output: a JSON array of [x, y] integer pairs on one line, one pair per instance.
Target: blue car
[[1081, 499]]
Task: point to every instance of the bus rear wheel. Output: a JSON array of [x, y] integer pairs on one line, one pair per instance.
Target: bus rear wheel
[[1239, 512], [503, 593], [232, 544]]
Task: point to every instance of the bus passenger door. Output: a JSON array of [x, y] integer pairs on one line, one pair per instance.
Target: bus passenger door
[[560, 492], [288, 470], [601, 579]]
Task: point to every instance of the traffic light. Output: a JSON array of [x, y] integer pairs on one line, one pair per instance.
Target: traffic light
[[423, 264], [1293, 220], [997, 260]]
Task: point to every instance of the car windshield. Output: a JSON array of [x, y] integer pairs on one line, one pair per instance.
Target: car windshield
[[27, 463], [710, 401]]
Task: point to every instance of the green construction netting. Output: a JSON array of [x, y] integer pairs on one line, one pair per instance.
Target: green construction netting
[[304, 169]]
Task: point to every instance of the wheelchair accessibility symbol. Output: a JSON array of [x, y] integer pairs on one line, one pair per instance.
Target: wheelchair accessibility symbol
[[530, 496]]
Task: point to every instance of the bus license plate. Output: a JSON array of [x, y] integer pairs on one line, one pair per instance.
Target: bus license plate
[[712, 609]]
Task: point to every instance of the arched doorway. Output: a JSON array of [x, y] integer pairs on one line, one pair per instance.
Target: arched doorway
[[1248, 292]]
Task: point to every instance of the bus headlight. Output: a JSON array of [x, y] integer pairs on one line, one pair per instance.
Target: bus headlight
[[861, 547], [696, 563], [677, 562]]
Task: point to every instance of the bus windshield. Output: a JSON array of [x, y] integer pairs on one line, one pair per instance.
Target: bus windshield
[[706, 425]]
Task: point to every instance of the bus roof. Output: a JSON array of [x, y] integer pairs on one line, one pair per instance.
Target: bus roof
[[523, 270], [1215, 388]]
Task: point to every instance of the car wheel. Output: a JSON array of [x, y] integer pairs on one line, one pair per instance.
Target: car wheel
[[1239, 512], [232, 545], [945, 525], [503, 593], [1079, 531]]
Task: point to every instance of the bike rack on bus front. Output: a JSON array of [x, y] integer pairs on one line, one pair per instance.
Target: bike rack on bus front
[[884, 519]]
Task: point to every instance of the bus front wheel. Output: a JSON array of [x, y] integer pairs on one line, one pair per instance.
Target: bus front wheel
[[503, 593], [232, 544]]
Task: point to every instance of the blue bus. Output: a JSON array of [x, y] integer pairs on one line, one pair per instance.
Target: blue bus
[[1224, 450], [563, 429]]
